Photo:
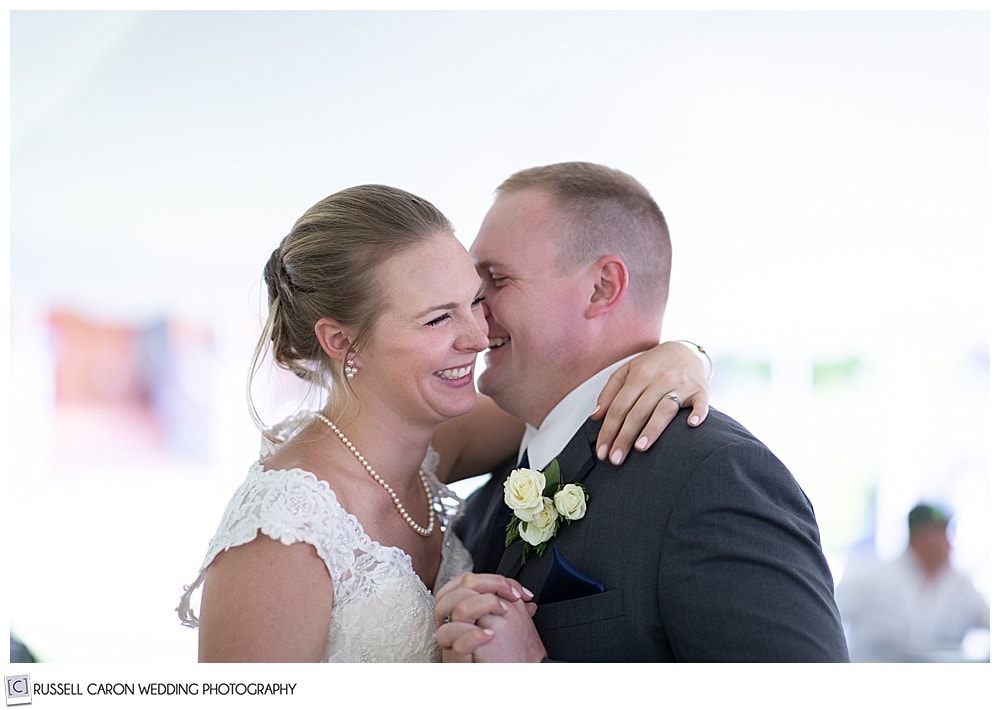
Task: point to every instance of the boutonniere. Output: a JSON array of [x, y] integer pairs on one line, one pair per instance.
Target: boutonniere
[[541, 503]]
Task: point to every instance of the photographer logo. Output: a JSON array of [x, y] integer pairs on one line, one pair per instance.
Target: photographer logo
[[18, 689]]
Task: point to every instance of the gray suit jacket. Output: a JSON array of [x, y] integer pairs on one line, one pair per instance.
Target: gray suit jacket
[[706, 547]]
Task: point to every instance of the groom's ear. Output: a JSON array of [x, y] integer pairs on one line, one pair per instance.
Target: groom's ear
[[333, 338], [610, 282]]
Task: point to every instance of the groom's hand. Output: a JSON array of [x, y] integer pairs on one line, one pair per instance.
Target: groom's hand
[[458, 640], [467, 599], [511, 637], [493, 638], [468, 586]]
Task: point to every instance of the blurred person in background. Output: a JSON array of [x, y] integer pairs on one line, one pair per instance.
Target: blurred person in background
[[332, 547], [916, 607]]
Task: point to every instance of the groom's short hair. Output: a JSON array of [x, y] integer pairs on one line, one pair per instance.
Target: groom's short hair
[[609, 212]]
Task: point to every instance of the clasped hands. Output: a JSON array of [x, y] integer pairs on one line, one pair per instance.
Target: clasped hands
[[487, 618]]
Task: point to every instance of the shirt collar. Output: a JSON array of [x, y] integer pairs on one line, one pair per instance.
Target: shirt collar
[[545, 442]]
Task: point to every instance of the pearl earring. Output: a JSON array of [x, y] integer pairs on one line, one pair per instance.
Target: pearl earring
[[349, 369]]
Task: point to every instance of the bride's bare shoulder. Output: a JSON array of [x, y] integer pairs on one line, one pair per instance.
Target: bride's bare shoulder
[[305, 449]]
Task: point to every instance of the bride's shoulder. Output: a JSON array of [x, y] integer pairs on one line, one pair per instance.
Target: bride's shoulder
[[293, 444], [304, 457], [432, 461]]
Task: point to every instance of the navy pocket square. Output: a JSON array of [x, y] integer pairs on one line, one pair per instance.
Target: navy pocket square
[[564, 581]]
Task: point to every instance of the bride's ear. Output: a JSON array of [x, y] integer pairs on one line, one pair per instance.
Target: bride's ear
[[333, 338]]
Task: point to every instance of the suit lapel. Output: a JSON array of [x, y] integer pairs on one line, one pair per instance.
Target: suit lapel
[[510, 563], [576, 461], [487, 510]]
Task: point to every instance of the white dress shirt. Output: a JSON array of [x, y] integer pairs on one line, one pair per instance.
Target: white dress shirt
[[545, 442]]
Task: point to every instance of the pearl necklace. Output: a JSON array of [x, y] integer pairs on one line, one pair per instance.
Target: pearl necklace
[[425, 532]]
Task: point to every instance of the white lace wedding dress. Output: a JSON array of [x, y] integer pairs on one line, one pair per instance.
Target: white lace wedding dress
[[382, 610]]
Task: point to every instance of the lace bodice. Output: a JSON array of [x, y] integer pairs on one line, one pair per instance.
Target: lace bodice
[[382, 610]]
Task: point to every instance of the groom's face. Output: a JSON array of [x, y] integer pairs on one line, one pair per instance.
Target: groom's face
[[534, 305]]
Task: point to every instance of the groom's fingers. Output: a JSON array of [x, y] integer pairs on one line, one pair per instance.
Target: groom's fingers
[[465, 588], [444, 607], [515, 638], [467, 605], [462, 638], [471, 609]]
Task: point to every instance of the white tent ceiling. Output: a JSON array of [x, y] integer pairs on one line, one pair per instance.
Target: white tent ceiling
[[825, 175]]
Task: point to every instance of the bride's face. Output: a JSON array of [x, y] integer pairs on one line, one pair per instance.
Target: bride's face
[[421, 357]]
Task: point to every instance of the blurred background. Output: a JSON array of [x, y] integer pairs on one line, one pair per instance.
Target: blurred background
[[824, 176]]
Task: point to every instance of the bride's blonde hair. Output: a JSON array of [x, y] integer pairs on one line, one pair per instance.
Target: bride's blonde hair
[[328, 267]]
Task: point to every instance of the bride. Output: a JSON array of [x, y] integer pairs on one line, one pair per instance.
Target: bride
[[332, 547]]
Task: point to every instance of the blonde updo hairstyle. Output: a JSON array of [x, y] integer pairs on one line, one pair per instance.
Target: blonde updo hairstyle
[[328, 267]]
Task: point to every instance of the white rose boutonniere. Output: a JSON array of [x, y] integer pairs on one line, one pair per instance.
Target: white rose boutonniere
[[540, 504], [571, 501], [522, 492]]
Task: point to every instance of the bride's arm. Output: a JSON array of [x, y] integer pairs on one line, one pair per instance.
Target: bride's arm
[[633, 403], [265, 601]]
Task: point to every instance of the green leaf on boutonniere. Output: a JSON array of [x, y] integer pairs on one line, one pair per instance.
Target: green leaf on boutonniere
[[553, 479], [512, 531]]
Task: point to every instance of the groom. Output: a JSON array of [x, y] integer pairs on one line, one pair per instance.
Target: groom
[[704, 548]]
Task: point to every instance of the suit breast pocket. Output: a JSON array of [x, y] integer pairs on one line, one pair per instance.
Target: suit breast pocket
[[580, 613]]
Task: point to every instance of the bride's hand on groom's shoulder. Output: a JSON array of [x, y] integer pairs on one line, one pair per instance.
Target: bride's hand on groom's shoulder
[[644, 395]]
